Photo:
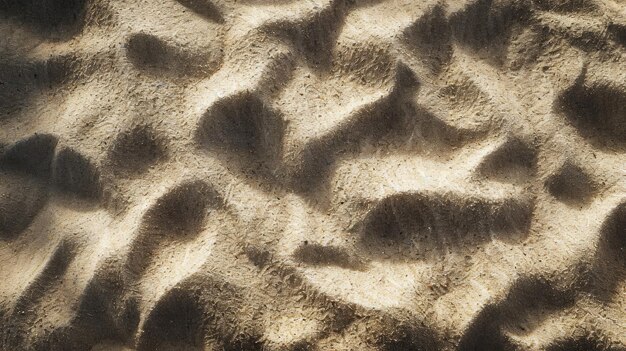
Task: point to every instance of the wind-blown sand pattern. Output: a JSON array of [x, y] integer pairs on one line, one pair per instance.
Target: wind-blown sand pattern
[[313, 175]]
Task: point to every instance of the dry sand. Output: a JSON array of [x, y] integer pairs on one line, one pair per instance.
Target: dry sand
[[312, 175]]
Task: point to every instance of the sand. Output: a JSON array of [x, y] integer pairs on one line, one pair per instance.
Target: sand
[[313, 175]]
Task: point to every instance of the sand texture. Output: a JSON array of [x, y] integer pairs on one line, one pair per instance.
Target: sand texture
[[313, 175]]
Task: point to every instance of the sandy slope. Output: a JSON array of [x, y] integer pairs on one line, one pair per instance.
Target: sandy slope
[[312, 175]]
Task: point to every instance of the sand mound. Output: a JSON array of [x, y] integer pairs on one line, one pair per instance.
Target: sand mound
[[313, 175]]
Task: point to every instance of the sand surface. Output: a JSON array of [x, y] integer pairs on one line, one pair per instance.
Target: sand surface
[[313, 175]]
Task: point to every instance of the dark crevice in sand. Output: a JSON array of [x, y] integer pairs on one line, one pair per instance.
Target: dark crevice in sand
[[200, 312], [32, 155], [76, 174], [514, 161], [319, 255], [161, 57], [21, 199], [134, 151], [53, 18], [204, 8], [243, 124], [528, 302], [178, 215], [572, 185], [486, 26], [588, 343], [23, 79], [247, 136], [315, 36], [426, 226], [431, 37], [597, 110]]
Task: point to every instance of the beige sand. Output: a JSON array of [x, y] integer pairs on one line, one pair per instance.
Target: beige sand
[[312, 175]]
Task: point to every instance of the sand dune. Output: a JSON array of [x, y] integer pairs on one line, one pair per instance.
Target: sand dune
[[313, 175]]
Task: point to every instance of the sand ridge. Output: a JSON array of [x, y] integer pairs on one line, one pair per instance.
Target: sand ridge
[[313, 175]]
